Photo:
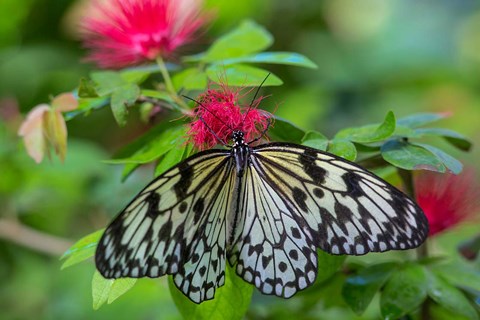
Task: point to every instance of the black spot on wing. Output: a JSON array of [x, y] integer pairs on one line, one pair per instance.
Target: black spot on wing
[[183, 207], [352, 180], [293, 254], [186, 174], [198, 210], [300, 197], [316, 173], [319, 193], [295, 233], [266, 260], [152, 201]]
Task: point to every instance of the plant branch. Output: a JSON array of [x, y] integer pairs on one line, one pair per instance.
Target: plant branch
[[169, 86], [20, 234], [422, 251]]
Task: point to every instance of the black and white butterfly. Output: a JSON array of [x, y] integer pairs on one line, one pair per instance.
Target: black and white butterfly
[[265, 209]]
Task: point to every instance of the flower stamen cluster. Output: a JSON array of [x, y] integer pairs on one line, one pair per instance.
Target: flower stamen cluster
[[219, 113]]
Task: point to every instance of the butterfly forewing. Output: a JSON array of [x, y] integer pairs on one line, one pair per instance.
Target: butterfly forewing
[[347, 209], [204, 270], [176, 225]]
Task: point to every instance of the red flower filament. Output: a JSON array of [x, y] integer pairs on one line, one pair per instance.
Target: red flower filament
[[219, 114]]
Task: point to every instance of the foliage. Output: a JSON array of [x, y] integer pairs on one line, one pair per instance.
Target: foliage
[[354, 76]]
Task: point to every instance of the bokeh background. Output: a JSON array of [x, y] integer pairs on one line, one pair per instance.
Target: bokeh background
[[373, 56]]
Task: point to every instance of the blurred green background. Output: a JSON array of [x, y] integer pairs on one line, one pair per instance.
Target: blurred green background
[[373, 56]]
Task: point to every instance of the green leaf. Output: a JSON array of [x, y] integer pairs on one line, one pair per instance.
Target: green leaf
[[190, 79], [120, 287], [287, 58], [151, 146], [460, 274], [148, 138], [135, 75], [450, 162], [404, 132], [86, 105], [173, 157], [107, 81], [453, 137], [122, 98], [359, 290], [328, 264], [438, 312], [108, 290], [315, 140], [86, 89], [284, 130], [161, 95], [100, 289], [82, 249], [231, 300], [242, 76], [370, 133], [420, 119], [248, 38], [342, 148], [128, 170], [405, 290], [410, 157], [450, 297]]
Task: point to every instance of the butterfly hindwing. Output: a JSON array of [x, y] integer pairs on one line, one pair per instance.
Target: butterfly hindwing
[[271, 250], [166, 228], [347, 209]]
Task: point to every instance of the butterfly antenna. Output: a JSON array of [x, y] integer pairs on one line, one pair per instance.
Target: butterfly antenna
[[206, 109], [254, 97], [264, 132], [206, 125]]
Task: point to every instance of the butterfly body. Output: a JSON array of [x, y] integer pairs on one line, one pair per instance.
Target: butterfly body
[[240, 152], [266, 209]]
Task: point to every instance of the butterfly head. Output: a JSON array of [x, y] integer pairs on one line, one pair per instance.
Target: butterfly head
[[238, 137]]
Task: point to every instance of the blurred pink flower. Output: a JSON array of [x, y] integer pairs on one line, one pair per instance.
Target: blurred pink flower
[[219, 113], [447, 199], [120, 33]]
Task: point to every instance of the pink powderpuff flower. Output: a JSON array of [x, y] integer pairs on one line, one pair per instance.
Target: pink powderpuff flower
[[219, 113], [120, 33], [447, 199]]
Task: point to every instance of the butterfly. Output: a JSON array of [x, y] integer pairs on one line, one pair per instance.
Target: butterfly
[[265, 209]]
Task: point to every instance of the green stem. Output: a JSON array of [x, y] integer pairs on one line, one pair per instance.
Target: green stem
[[166, 76], [170, 88], [407, 179], [422, 251]]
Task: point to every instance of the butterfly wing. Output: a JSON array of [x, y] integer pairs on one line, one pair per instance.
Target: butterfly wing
[[346, 209], [295, 199], [176, 225], [270, 249]]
